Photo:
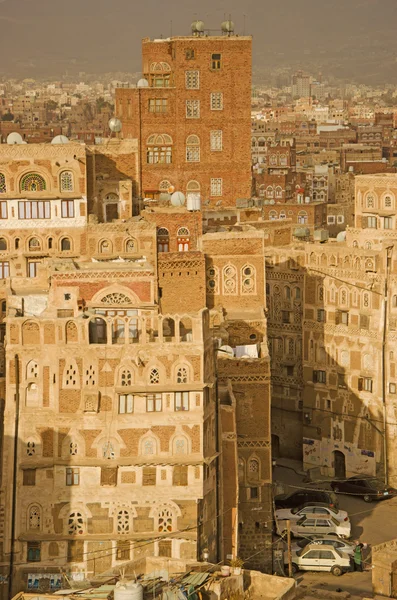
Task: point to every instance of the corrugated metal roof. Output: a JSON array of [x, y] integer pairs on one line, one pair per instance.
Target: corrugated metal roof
[[195, 579]]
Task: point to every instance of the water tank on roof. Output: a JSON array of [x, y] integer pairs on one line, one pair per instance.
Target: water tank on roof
[[197, 27], [227, 27], [128, 590], [193, 202]]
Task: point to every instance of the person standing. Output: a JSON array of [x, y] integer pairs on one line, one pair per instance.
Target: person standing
[[358, 558]]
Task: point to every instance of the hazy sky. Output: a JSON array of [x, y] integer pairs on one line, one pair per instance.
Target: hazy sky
[[49, 36]]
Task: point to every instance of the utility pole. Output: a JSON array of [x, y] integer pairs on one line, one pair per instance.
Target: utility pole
[[289, 548], [389, 253]]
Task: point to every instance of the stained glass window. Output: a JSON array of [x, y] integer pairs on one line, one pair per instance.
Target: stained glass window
[[32, 182], [66, 181]]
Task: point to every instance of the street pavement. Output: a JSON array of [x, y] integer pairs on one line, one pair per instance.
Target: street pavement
[[372, 523]]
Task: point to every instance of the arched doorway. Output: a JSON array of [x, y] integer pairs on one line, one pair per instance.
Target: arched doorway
[[339, 464], [275, 446]]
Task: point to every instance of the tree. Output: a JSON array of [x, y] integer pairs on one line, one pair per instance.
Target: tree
[[52, 105], [7, 117]]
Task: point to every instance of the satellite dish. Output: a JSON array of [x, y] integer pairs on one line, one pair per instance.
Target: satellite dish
[[14, 138], [178, 199], [142, 83], [115, 125], [227, 350], [60, 139]]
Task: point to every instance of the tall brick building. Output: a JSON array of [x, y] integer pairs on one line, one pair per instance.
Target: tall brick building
[[191, 117]]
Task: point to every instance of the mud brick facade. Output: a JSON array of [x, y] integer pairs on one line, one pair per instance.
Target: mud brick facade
[[192, 121]]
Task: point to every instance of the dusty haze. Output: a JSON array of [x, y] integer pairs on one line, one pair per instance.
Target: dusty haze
[[351, 39]]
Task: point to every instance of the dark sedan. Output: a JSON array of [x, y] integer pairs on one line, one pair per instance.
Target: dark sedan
[[369, 488], [304, 496]]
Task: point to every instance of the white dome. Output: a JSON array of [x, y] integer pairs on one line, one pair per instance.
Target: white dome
[[143, 83]]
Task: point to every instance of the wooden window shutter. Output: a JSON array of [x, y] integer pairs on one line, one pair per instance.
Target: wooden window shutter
[[109, 476], [360, 384], [179, 475], [149, 476]]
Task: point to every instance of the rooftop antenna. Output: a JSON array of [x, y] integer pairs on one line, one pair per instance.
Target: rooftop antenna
[[244, 15], [171, 28]]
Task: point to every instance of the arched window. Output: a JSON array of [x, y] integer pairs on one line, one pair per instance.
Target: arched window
[[159, 149], [154, 376], [269, 192], [273, 215], [108, 450], [179, 446], [125, 377], [65, 244], [34, 244], [32, 182], [229, 280], [118, 331], [72, 335], [159, 74], [34, 517], [75, 523], [49, 243], [105, 247], [149, 447], [165, 186], [367, 245], [32, 370], [130, 246], [355, 244], [168, 329], [185, 329], [66, 181], [291, 347], [262, 190], [73, 448], [248, 280], [370, 201], [123, 522], [165, 520], [388, 202], [366, 300], [98, 331], [213, 280], [193, 187], [163, 240], [253, 469], [3, 244], [3, 186], [343, 297], [183, 239], [193, 148], [287, 292], [302, 217], [279, 192], [182, 375]]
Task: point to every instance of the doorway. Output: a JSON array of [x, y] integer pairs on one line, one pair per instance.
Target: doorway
[[112, 212], [339, 464], [275, 446]]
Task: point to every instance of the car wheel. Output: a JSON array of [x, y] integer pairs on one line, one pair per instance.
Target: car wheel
[[367, 498], [295, 568], [337, 571]]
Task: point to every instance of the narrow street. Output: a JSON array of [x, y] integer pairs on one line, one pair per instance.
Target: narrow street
[[372, 523]]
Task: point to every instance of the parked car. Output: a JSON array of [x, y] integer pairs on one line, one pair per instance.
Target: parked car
[[326, 558], [303, 496], [325, 540], [315, 508], [368, 487], [315, 525]]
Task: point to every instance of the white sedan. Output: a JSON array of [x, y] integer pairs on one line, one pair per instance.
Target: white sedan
[[294, 514], [320, 558], [315, 525]]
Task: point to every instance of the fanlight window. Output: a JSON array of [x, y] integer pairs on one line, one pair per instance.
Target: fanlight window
[[33, 182], [193, 186], [182, 375], [159, 139], [154, 376], [160, 67], [165, 185]]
